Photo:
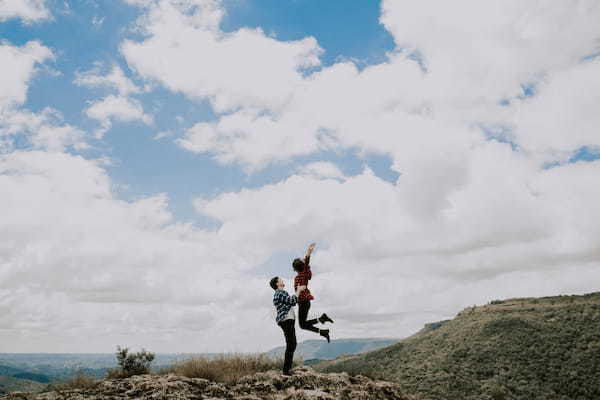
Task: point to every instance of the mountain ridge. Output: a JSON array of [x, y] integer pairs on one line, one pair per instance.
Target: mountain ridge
[[315, 349], [518, 348]]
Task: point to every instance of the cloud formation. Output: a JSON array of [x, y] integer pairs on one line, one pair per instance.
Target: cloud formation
[[467, 67], [28, 11], [45, 129], [469, 110], [119, 107]]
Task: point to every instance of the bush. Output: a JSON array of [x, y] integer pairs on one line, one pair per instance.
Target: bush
[[226, 369], [131, 363]]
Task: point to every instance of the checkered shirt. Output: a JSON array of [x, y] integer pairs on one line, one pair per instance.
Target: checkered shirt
[[283, 302], [302, 280]]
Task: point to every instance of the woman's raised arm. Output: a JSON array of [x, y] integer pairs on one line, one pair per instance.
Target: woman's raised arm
[[309, 251]]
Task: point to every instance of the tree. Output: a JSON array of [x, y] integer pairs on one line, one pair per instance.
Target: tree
[[133, 363]]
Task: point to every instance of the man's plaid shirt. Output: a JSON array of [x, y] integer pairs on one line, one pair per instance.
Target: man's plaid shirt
[[302, 280], [283, 302]]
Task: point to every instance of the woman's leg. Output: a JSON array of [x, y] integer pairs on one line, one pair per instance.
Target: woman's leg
[[303, 307]]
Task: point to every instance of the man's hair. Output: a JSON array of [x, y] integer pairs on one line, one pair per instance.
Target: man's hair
[[298, 265], [273, 282]]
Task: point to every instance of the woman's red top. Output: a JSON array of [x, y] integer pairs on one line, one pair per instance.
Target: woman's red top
[[302, 279]]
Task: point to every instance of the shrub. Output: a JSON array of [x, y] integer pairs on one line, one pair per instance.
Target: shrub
[[131, 363]]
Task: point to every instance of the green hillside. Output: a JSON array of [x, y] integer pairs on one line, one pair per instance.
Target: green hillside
[[530, 349]]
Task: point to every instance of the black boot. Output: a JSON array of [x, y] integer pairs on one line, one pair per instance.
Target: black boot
[[325, 334], [324, 318]]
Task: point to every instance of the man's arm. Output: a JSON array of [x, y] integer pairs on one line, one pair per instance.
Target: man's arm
[[290, 300], [284, 297]]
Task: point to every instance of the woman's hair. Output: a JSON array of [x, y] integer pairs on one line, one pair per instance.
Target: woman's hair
[[273, 282], [298, 265]]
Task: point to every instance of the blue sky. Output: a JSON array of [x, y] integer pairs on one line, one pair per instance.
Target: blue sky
[[146, 166]]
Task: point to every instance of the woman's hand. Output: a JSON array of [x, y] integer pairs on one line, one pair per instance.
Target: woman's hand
[[310, 249]]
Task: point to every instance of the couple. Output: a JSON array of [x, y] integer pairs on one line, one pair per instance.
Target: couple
[[284, 304]]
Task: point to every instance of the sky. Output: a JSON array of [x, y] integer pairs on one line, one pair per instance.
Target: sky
[[161, 160]]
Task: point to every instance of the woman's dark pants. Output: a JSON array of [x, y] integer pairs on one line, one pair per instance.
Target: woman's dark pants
[[303, 307], [289, 330]]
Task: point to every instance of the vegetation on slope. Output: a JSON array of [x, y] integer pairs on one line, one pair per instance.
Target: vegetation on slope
[[10, 384], [546, 348]]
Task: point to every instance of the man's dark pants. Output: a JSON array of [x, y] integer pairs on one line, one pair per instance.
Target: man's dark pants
[[289, 330], [303, 307]]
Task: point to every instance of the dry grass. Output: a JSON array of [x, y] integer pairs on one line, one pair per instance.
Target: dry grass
[[79, 381], [226, 369]]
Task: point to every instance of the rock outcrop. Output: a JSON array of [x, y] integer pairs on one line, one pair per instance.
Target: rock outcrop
[[305, 384]]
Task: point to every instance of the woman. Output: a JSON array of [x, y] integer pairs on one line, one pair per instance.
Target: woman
[[302, 267]]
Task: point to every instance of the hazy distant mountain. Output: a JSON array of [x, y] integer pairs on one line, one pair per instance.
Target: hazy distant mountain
[[320, 349], [11, 384], [45, 367], [521, 349], [7, 370]]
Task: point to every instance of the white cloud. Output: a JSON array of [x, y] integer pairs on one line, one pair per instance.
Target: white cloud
[[187, 52], [18, 67], [321, 170], [475, 57], [43, 130], [563, 116], [119, 107], [28, 10], [88, 254], [162, 134], [97, 21], [115, 79]]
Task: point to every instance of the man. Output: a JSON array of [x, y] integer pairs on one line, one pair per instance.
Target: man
[[286, 319]]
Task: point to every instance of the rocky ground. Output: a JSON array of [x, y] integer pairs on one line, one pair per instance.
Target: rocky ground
[[305, 384]]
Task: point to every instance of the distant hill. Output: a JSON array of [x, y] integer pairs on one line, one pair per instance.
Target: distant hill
[[7, 370], [11, 384], [32, 377], [525, 348], [310, 350], [46, 367]]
